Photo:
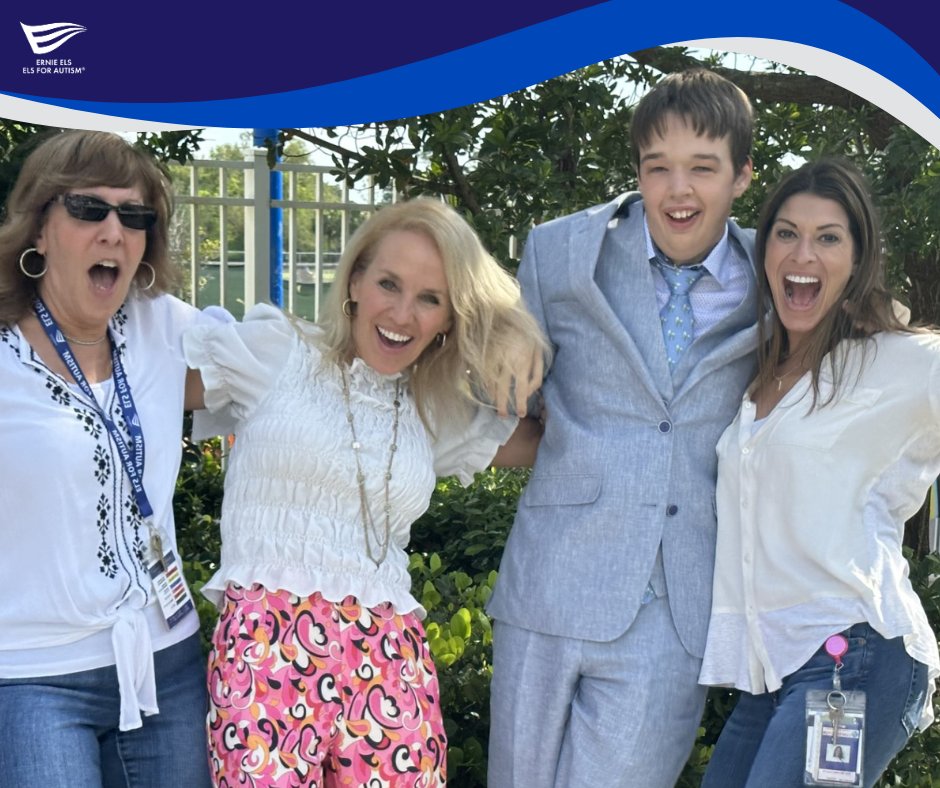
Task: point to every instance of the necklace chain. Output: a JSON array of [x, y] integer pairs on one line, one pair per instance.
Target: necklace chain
[[369, 530], [781, 378], [86, 342]]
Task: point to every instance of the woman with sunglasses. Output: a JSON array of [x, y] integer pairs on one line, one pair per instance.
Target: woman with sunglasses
[[101, 673]]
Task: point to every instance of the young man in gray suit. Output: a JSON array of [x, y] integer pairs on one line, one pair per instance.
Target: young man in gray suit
[[604, 588]]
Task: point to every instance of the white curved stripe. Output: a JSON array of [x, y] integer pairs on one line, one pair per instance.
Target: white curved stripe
[[27, 111], [859, 79], [57, 42], [51, 26], [846, 73]]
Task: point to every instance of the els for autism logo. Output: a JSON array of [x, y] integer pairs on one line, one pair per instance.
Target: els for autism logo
[[43, 39]]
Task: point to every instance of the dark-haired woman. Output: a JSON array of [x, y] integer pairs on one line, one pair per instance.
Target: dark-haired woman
[[833, 449]]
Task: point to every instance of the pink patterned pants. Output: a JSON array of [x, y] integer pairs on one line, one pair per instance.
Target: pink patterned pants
[[306, 692]]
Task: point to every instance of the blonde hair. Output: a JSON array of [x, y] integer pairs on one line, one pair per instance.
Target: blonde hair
[[491, 325], [74, 160]]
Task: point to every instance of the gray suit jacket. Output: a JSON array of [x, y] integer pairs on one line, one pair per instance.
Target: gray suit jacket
[[627, 462]]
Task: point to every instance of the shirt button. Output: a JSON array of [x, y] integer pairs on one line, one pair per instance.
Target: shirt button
[[672, 510], [745, 450], [664, 426]]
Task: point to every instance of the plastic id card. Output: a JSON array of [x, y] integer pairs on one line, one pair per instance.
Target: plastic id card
[[835, 737]]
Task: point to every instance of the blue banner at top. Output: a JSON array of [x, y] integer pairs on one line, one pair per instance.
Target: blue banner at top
[[330, 64]]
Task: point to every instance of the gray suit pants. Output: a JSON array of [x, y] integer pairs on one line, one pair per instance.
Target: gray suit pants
[[569, 713]]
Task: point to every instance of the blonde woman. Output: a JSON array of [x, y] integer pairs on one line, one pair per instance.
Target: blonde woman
[[319, 661]]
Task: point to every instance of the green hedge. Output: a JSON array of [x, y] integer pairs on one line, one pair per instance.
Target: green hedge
[[456, 547]]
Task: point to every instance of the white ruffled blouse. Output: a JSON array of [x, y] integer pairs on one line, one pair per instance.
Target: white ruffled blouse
[[291, 513]]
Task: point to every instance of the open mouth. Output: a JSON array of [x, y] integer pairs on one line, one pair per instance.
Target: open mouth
[[103, 275], [391, 339], [801, 291], [682, 217]]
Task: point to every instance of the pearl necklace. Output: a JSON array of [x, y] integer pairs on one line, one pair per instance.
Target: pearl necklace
[[369, 530]]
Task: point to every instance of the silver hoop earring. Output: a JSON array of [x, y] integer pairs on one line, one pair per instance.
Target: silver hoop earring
[[32, 250], [348, 309], [153, 275], [441, 339]]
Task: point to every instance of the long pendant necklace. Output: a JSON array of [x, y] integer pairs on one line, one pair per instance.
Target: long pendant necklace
[[369, 530]]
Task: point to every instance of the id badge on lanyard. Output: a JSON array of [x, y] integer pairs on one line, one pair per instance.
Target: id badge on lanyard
[[835, 728], [166, 573], [163, 563]]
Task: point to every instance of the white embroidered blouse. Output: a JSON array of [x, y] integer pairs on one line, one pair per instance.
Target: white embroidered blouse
[[74, 593], [291, 516], [811, 512]]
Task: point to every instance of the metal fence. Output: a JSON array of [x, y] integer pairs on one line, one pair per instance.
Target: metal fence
[[222, 231]]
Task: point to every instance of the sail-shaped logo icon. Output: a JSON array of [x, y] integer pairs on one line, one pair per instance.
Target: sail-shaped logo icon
[[44, 39]]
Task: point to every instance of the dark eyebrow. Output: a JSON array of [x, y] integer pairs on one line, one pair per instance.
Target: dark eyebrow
[[820, 227], [698, 156], [707, 157]]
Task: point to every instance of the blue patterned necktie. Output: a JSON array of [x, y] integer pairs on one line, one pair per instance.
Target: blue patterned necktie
[[676, 316]]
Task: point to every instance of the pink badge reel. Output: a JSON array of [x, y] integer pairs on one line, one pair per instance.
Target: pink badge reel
[[836, 647]]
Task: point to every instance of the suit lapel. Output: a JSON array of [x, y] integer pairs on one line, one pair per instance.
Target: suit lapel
[[639, 336]]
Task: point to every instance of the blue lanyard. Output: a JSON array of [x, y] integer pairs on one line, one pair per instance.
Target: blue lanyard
[[133, 459]]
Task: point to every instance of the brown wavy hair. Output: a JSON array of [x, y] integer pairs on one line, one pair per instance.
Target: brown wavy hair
[[74, 160]]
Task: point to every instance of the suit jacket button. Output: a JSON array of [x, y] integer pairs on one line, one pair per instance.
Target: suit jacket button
[[672, 510], [664, 426]]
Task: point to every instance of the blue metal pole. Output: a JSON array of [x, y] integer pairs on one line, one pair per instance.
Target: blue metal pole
[[277, 222]]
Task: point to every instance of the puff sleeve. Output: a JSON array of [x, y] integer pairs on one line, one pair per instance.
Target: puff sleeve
[[239, 364], [462, 451]]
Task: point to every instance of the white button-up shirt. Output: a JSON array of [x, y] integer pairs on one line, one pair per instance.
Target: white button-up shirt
[[811, 511]]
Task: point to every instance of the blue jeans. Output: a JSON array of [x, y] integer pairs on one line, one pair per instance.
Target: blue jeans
[[762, 745], [62, 731]]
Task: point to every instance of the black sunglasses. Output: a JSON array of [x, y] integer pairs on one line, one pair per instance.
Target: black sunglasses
[[92, 209]]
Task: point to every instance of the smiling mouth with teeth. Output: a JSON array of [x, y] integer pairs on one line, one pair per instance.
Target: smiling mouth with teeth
[[681, 216], [801, 291], [391, 338]]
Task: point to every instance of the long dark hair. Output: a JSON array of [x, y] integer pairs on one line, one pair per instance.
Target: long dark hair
[[866, 306]]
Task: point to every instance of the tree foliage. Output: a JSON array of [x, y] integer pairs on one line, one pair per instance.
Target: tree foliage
[[562, 145], [17, 140]]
